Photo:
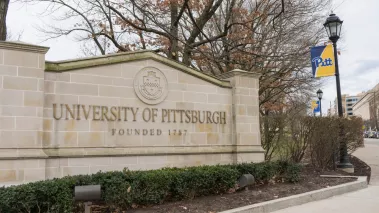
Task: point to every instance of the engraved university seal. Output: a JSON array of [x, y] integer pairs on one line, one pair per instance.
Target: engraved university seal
[[150, 85]]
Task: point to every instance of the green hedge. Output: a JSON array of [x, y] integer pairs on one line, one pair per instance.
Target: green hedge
[[122, 190]]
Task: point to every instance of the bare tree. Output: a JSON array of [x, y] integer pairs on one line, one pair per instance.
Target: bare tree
[[271, 37], [279, 51], [179, 28], [3, 19], [11, 36], [285, 130]]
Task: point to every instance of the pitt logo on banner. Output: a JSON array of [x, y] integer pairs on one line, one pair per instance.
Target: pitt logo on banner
[[322, 59], [315, 106]]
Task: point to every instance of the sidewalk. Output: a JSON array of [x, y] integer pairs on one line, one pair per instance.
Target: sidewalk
[[362, 201], [370, 155], [365, 200]]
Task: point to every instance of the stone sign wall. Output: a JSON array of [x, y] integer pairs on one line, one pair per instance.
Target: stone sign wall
[[137, 110]]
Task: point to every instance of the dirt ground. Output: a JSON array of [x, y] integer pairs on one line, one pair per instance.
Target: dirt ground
[[310, 180]]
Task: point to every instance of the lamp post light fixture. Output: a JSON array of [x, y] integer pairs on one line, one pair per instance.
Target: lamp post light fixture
[[333, 26], [319, 95]]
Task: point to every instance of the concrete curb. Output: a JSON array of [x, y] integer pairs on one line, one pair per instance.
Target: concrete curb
[[294, 200]]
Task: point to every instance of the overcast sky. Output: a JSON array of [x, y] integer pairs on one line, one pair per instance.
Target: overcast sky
[[359, 59]]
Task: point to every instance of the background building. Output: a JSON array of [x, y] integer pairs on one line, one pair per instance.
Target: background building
[[332, 110], [367, 107], [343, 98], [361, 108], [349, 103]]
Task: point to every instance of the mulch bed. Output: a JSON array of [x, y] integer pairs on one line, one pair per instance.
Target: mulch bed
[[360, 168], [310, 180]]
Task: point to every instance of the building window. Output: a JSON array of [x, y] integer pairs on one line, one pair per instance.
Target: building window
[[351, 99], [349, 109], [349, 104], [350, 113]]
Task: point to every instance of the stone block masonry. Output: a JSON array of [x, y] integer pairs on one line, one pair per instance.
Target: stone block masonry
[[137, 110]]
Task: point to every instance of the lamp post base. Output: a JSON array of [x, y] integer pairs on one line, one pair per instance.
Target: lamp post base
[[346, 167]]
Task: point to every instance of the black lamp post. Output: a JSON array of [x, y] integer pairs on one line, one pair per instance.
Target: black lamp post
[[333, 26], [319, 95]]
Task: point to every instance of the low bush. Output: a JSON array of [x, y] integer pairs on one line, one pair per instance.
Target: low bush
[[326, 136], [314, 140], [127, 189]]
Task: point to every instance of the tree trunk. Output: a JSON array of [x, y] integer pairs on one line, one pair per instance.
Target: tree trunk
[[3, 14], [266, 134], [174, 34]]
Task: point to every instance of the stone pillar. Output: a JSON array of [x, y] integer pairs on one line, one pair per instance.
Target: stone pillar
[[21, 111], [245, 110]]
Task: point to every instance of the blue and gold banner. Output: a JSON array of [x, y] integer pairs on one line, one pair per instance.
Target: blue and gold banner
[[322, 58], [315, 105]]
